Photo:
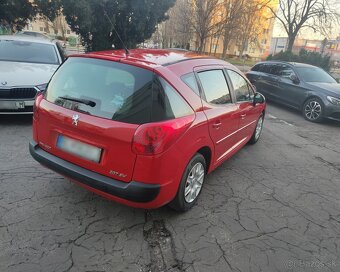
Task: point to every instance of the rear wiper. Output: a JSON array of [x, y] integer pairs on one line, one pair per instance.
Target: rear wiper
[[82, 101]]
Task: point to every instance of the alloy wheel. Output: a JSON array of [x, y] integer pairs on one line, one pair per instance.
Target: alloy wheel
[[194, 182], [313, 110], [259, 127]]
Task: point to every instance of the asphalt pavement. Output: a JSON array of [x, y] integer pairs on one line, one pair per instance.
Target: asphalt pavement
[[273, 207]]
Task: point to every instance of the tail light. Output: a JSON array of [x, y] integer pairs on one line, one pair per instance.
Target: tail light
[[155, 138], [37, 101]]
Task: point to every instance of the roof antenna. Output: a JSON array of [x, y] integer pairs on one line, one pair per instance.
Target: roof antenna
[[127, 52]]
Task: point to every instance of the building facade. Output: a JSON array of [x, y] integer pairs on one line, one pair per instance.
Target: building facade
[[56, 29], [259, 43], [331, 47]]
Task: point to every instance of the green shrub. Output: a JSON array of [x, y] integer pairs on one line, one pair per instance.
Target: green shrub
[[309, 57], [72, 41]]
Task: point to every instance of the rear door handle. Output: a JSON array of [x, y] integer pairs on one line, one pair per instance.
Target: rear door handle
[[243, 116], [217, 125]]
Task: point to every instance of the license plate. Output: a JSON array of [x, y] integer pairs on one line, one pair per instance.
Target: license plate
[[20, 105], [79, 149], [12, 105]]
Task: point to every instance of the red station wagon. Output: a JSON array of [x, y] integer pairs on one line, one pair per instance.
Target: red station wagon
[[144, 128]]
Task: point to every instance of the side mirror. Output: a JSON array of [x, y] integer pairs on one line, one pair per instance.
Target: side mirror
[[259, 99], [294, 79]]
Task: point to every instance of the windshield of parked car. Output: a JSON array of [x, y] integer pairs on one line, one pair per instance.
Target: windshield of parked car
[[31, 52], [314, 74]]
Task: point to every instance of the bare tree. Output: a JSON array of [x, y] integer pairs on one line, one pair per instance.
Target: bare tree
[[297, 14], [176, 31], [251, 24], [233, 13], [182, 13], [205, 20]]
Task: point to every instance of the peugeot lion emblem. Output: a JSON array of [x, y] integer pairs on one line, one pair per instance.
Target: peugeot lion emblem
[[75, 119], [3, 83]]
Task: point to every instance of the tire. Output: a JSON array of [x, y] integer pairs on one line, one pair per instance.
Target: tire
[[183, 202], [258, 131], [313, 110]]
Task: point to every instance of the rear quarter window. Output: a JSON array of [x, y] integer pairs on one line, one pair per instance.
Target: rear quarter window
[[167, 102], [191, 82]]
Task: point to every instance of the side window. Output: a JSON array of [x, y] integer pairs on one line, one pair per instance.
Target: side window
[[268, 69], [190, 80], [285, 71], [257, 68], [242, 89], [215, 87], [275, 70], [167, 103]]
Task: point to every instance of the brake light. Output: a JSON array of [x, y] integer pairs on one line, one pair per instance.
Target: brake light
[[36, 106], [155, 138]]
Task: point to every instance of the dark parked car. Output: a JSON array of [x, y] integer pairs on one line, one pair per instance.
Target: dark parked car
[[301, 86]]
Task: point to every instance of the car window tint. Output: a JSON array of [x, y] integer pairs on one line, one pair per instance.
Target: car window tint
[[242, 89], [285, 71], [314, 74], [267, 68], [190, 80], [275, 69], [121, 92], [215, 87], [167, 103], [257, 68]]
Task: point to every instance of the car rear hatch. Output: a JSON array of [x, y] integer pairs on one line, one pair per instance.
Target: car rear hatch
[[90, 113]]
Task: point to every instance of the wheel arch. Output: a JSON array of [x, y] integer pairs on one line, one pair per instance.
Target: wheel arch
[[310, 97], [207, 154]]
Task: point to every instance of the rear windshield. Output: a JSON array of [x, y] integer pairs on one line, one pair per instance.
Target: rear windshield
[[115, 91], [20, 51]]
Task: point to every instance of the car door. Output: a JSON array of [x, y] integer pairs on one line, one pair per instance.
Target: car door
[[244, 95], [271, 81], [289, 93], [257, 77], [221, 112]]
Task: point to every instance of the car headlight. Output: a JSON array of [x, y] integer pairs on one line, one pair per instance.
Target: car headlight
[[334, 100]]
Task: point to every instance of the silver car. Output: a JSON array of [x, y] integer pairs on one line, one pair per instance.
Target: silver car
[[25, 64]]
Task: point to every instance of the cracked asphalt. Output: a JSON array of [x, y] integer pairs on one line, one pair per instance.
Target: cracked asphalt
[[273, 207]]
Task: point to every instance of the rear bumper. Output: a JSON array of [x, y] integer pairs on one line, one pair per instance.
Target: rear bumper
[[133, 191]]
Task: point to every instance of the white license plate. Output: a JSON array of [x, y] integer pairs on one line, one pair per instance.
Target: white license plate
[[79, 149], [12, 105]]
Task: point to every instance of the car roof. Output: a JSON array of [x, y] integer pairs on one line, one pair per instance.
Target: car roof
[[26, 38], [295, 64], [148, 57]]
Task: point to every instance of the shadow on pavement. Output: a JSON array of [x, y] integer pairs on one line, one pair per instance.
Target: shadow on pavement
[[16, 120], [298, 113]]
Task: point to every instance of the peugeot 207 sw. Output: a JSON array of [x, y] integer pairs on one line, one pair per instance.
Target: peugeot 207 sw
[[144, 128]]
